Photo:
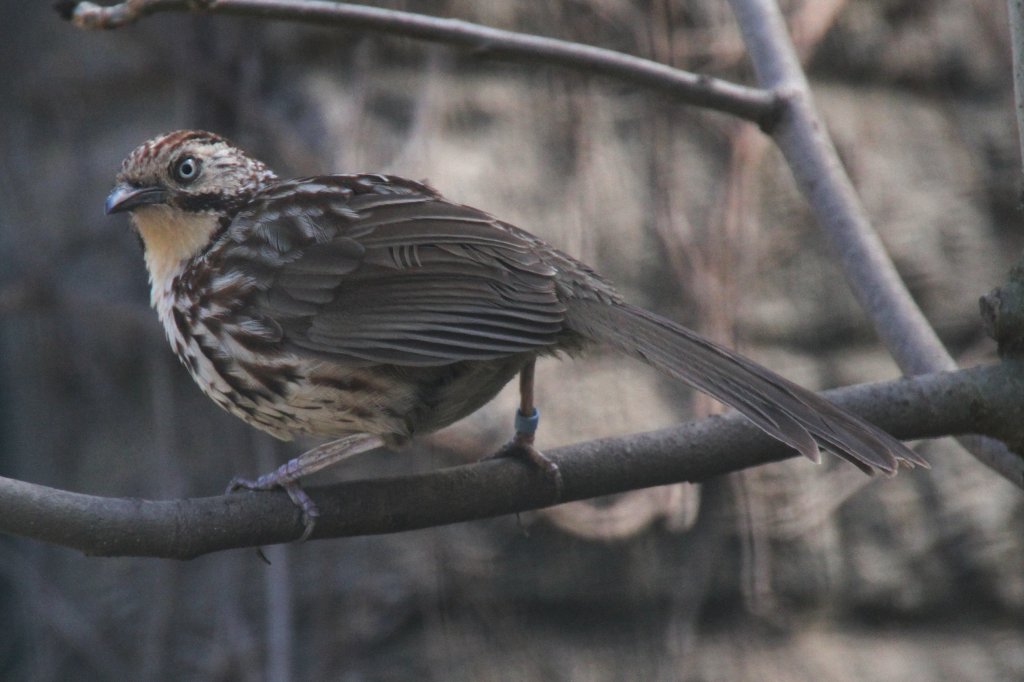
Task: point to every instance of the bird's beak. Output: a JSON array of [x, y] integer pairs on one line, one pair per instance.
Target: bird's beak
[[124, 197]]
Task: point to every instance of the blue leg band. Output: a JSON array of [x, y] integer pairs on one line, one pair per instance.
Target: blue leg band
[[526, 424]]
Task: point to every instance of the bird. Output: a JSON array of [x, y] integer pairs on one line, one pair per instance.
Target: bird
[[369, 310]]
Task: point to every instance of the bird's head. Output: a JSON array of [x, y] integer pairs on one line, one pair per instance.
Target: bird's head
[[188, 170], [180, 189]]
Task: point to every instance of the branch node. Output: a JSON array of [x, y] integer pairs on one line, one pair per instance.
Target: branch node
[[1002, 313], [770, 120]]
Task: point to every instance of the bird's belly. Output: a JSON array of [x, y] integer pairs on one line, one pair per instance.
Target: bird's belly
[[326, 400], [286, 395], [271, 391]]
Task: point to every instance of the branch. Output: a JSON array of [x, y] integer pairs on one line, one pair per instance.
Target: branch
[[804, 141], [973, 400], [751, 104]]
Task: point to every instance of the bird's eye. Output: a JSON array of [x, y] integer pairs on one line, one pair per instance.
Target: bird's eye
[[185, 170]]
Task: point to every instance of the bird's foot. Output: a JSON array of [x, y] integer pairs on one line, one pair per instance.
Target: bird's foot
[[521, 447], [282, 478], [287, 475]]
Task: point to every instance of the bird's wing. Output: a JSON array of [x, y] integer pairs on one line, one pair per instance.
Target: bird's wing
[[372, 269]]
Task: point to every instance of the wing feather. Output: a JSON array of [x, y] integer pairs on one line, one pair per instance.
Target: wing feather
[[368, 269]]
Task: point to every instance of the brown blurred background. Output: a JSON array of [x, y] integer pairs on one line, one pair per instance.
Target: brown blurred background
[[789, 572]]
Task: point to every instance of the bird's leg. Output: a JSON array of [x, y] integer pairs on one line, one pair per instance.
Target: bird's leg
[[288, 474], [527, 418]]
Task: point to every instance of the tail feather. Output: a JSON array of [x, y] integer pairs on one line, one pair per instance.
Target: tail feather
[[797, 417]]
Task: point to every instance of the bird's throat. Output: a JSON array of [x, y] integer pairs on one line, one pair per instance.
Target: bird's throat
[[171, 237]]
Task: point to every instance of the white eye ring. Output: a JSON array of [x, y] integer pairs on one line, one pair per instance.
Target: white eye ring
[[186, 169]]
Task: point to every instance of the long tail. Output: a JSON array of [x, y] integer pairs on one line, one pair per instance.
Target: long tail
[[794, 415]]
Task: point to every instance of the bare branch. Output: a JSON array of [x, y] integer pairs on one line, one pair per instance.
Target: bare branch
[[748, 103], [804, 141], [927, 406]]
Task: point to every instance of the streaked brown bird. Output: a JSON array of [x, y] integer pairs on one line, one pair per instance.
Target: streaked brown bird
[[370, 309]]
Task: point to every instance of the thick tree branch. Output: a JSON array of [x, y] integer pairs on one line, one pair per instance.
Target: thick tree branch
[[978, 400], [748, 103]]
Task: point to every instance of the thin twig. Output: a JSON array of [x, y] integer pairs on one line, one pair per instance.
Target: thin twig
[[748, 103]]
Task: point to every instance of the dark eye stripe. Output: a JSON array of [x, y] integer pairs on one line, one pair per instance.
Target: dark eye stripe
[[209, 201]]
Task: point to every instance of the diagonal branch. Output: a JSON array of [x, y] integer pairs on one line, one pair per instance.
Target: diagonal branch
[[751, 104], [932, 405], [804, 141]]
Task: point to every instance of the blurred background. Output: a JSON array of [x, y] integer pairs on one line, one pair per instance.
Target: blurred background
[[787, 572]]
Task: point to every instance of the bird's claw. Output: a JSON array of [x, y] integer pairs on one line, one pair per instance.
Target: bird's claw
[[521, 447], [298, 496]]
